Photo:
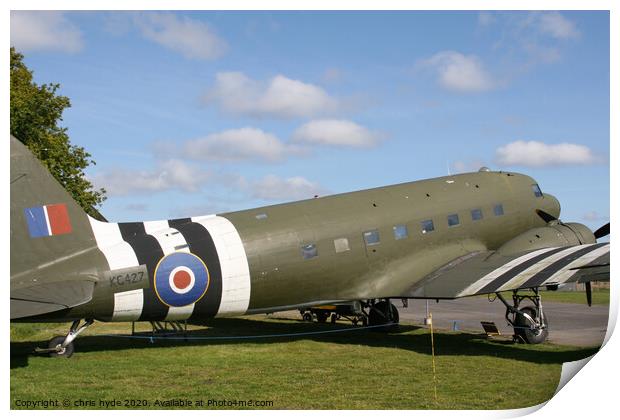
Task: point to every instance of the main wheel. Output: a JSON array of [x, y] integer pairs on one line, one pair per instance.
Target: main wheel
[[321, 316], [523, 327], [307, 317], [55, 343], [379, 315]]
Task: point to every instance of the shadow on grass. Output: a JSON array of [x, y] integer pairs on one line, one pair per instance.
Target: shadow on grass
[[228, 331]]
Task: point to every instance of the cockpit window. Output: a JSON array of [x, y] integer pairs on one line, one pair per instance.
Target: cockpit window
[[537, 191]]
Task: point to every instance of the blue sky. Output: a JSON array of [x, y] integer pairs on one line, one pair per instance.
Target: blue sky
[[191, 113]]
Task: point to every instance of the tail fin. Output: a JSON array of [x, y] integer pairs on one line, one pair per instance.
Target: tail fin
[[49, 230]]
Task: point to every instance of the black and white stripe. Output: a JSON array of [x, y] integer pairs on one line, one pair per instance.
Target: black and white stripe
[[544, 266], [126, 306], [149, 252], [213, 239]]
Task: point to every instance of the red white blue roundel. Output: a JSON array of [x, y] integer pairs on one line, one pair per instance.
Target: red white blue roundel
[[181, 279]]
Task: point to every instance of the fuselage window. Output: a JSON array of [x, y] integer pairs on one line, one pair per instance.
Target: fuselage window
[[498, 210], [537, 191], [453, 220], [476, 214], [309, 251], [341, 245], [400, 232], [427, 226], [371, 237]]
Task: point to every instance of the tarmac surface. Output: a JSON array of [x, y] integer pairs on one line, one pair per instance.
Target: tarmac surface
[[570, 324]]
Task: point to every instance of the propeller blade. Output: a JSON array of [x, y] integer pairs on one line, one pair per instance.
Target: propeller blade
[[545, 216], [589, 293], [602, 231]]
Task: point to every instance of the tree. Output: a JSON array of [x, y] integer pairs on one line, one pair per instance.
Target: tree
[[35, 114]]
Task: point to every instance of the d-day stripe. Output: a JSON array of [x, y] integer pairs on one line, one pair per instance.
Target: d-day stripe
[[170, 240], [568, 272], [201, 244], [148, 252], [234, 264], [484, 281], [551, 269], [500, 281], [119, 254]]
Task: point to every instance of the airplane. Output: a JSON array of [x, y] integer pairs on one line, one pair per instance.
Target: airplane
[[479, 233]]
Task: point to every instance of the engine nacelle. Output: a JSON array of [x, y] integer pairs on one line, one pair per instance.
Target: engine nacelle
[[555, 234]]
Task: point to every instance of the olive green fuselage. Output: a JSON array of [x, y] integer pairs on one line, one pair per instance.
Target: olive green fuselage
[[290, 250], [273, 236]]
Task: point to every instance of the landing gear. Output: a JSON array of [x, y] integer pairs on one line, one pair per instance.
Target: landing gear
[[322, 316], [385, 313], [63, 346], [529, 323], [59, 351]]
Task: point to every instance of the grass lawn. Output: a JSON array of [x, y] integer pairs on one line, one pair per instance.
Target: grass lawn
[[599, 297], [352, 369]]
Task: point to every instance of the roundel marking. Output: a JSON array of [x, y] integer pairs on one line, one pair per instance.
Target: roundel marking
[[181, 278]]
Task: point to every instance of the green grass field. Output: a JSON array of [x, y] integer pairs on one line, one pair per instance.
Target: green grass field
[[599, 297], [360, 369]]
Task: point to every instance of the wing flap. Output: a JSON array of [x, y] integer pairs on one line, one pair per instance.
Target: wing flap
[[491, 272]]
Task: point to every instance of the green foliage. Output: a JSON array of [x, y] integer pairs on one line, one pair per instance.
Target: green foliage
[[35, 114]]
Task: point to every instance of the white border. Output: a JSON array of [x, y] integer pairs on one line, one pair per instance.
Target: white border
[[592, 394]]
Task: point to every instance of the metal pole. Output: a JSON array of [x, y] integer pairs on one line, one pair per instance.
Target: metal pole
[[427, 319]]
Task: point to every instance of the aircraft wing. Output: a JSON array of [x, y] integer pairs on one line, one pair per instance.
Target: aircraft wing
[[487, 272]]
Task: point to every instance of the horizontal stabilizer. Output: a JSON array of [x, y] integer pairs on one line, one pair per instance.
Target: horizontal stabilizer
[[50, 297]]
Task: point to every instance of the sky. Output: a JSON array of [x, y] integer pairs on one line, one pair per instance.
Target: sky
[[191, 113]]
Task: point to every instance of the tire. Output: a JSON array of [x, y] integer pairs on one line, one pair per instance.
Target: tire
[[334, 318], [56, 341], [321, 316], [524, 331], [307, 317], [379, 315]]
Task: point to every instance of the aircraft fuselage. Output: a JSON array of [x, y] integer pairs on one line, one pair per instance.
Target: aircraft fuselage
[[361, 245]]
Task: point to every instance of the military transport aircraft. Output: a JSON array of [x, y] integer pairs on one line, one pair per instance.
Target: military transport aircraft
[[444, 238]]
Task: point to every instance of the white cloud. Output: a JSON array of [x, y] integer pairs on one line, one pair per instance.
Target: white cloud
[[44, 31], [171, 174], [458, 72], [539, 154], [336, 133], [280, 97], [192, 38], [238, 144], [272, 187], [557, 26]]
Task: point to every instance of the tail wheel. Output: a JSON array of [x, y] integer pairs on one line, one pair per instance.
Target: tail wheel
[[56, 343], [524, 330]]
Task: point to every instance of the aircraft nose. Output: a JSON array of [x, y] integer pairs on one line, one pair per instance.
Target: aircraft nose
[[552, 205]]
